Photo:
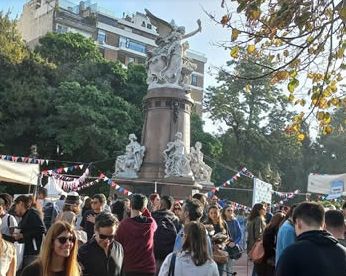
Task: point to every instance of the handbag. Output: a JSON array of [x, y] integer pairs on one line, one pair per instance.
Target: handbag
[[256, 253], [234, 252], [220, 256]]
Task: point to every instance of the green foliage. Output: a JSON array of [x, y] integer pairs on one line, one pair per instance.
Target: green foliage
[[68, 48], [12, 46], [85, 121]]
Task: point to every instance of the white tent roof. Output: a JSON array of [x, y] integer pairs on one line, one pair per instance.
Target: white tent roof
[[53, 188], [22, 173]]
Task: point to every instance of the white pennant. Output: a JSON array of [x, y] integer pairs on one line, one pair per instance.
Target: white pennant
[[81, 166]]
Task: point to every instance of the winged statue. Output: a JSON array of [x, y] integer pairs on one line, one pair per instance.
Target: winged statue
[[167, 64]]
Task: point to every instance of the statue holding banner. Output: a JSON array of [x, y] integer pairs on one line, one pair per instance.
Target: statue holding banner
[[201, 171]]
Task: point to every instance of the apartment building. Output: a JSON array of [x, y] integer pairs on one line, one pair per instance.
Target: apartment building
[[126, 39]]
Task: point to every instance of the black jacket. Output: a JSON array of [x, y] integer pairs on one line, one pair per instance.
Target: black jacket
[[32, 228], [316, 253], [157, 215], [94, 261]]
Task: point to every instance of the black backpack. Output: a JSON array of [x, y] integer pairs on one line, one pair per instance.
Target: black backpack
[[50, 213], [164, 237]]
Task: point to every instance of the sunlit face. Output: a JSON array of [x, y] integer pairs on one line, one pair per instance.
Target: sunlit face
[[2, 210], [183, 214], [19, 209], [156, 201], [105, 236], [96, 204], [229, 212], [214, 200], [214, 214], [63, 244]]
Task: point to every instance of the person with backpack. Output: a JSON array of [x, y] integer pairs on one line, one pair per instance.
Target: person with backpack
[[167, 228], [49, 209], [9, 222]]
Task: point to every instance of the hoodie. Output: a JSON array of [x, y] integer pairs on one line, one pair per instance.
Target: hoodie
[[136, 235], [316, 253]]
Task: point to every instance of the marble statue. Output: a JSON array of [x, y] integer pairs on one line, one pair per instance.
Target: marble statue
[[201, 171], [167, 65], [127, 165], [177, 162]]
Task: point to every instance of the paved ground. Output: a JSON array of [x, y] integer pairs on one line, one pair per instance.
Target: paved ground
[[243, 267]]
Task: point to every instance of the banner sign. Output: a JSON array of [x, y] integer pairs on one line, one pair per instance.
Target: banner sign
[[262, 192], [332, 185]]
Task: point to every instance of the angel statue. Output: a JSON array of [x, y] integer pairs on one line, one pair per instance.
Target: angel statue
[[167, 65], [128, 165], [201, 171], [177, 162]]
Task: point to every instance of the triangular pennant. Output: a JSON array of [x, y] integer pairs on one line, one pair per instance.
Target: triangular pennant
[[109, 181], [66, 169], [238, 174], [105, 178], [81, 166], [102, 176], [129, 193], [228, 182], [47, 161]]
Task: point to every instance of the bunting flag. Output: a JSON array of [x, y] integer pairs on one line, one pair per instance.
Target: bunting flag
[[243, 171], [285, 196], [63, 169], [24, 159], [102, 177], [72, 184]]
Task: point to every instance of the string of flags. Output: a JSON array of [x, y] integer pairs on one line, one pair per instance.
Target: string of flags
[[243, 171], [24, 159], [285, 196], [63, 169], [103, 178]]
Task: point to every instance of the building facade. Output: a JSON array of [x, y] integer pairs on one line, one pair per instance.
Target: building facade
[[125, 39]]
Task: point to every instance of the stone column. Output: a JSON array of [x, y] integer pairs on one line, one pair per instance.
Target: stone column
[[167, 111]]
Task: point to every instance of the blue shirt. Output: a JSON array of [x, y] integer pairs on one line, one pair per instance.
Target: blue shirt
[[234, 230], [286, 236]]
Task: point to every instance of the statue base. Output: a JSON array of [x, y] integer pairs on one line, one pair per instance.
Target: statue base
[[178, 187]]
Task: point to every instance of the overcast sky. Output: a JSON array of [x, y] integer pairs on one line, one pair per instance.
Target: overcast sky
[[184, 12]]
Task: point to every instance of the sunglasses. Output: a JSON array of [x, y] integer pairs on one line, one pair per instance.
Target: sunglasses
[[104, 237], [63, 240]]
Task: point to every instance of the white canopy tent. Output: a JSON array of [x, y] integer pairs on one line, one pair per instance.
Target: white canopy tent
[[53, 188], [21, 173]]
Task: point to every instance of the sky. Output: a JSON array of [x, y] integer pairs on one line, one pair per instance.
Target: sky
[[185, 13]]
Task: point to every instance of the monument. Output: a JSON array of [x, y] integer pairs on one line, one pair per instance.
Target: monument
[[166, 129]]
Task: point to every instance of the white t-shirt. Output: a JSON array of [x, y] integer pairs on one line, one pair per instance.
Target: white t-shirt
[[7, 222], [184, 266]]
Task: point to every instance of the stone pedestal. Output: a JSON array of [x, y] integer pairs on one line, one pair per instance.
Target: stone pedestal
[[167, 111]]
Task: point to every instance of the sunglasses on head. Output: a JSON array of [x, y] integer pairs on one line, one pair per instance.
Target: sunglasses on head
[[63, 240], [108, 237]]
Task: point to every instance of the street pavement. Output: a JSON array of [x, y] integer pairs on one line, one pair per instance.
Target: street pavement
[[243, 267]]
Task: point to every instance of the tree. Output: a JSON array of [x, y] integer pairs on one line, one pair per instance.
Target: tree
[[67, 48], [256, 116], [304, 38], [85, 121], [12, 46]]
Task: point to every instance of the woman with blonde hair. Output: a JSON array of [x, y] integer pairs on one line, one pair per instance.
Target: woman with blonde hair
[[58, 256]]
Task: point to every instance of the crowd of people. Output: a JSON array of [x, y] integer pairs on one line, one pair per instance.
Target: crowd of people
[[157, 235]]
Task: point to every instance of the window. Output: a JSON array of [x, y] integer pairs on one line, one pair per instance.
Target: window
[[194, 80], [101, 37], [143, 24], [131, 44], [131, 59], [149, 26]]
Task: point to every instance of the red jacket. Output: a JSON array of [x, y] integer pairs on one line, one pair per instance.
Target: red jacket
[[136, 235]]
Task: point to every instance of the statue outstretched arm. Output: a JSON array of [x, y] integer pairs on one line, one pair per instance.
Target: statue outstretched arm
[[194, 32]]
